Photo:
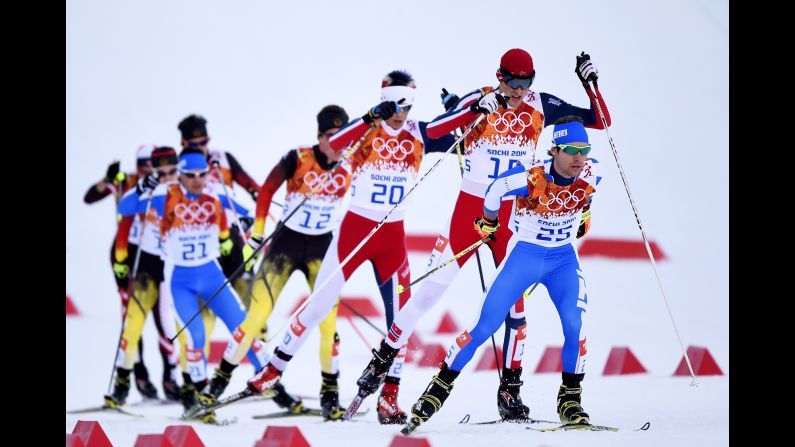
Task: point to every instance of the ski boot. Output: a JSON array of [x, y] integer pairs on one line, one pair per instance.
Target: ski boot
[[170, 386], [569, 396], [388, 410], [432, 399], [265, 380], [509, 402], [330, 398], [187, 395], [284, 400], [145, 387], [121, 388], [376, 370], [218, 383]]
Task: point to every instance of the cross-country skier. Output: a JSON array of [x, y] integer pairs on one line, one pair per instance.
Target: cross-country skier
[[506, 138], [549, 200], [194, 232], [146, 287], [116, 183], [300, 245]]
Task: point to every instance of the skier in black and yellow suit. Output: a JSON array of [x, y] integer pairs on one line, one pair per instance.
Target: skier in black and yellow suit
[[300, 245]]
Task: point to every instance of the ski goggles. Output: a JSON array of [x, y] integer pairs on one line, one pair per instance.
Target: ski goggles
[[163, 173], [574, 150], [517, 82], [404, 108], [193, 142], [194, 174]]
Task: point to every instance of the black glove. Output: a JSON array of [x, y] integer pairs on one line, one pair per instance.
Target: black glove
[[246, 222], [148, 183], [489, 103], [385, 110], [585, 69], [112, 172], [449, 100]]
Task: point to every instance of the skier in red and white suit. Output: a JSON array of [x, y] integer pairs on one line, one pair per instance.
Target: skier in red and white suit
[[384, 169]]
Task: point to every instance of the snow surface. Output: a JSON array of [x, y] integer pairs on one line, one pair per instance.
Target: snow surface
[[260, 71]]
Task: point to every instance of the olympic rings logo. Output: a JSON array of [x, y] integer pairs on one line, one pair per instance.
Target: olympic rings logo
[[564, 199], [331, 185], [195, 212], [509, 121], [391, 147]]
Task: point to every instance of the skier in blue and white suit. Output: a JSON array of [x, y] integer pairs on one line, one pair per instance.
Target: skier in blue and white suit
[[551, 208]]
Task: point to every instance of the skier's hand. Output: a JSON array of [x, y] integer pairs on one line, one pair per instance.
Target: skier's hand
[[112, 172], [148, 183], [585, 224], [449, 100], [254, 242], [488, 103], [487, 227], [585, 69], [121, 270], [214, 158], [385, 110], [226, 246], [246, 222]]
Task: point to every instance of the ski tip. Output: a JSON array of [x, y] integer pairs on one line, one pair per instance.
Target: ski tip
[[464, 420], [644, 427]]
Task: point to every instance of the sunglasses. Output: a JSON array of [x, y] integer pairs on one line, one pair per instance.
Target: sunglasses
[[202, 142], [195, 174], [517, 82], [171, 171], [574, 150]]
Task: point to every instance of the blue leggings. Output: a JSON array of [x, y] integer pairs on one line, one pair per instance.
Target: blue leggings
[[187, 283], [558, 269]]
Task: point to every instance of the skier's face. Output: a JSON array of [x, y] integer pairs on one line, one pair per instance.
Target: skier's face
[[569, 165], [166, 173], [396, 121], [194, 181], [514, 95], [144, 167], [325, 147]]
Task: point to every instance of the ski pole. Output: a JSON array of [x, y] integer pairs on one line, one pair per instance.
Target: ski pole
[[640, 226], [375, 229], [477, 253], [320, 184], [401, 289], [131, 289]]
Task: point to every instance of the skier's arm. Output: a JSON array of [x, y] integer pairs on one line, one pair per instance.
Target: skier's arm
[[120, 247], [348, 134], [98, 192], [239, 209], [278, 175], [435, 144], [555, 108], [512, 182], [460, 116], [240, 176]]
